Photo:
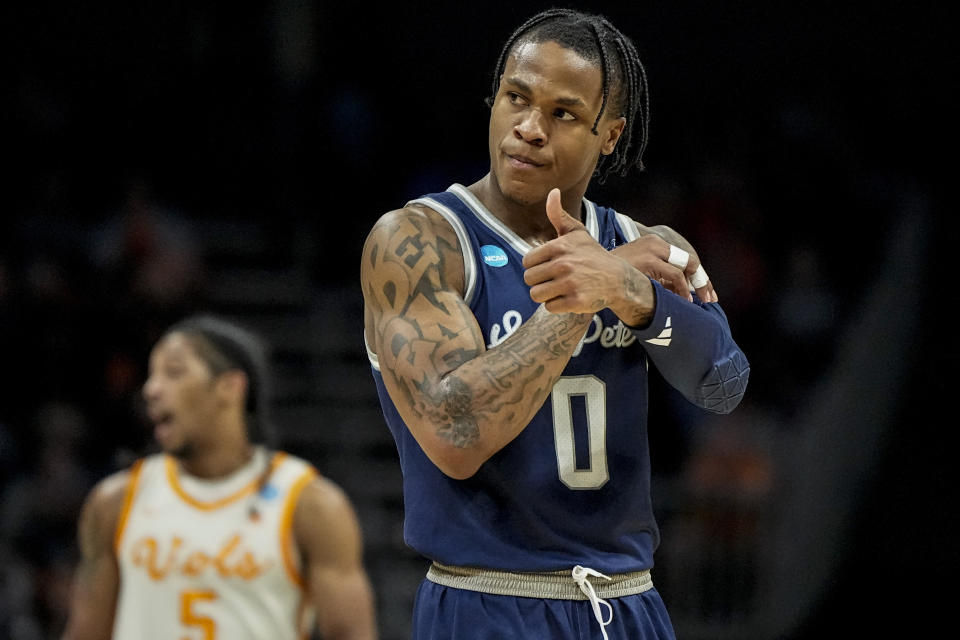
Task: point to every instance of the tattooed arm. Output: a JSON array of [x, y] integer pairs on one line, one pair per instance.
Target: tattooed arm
[[97, 578], [461, 402]]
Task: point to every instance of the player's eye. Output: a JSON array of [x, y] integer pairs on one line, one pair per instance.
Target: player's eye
[[563, 114], [175, 371], [516, 98]]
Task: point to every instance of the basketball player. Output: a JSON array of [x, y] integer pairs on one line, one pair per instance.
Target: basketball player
[[510, 325], [218, 537]]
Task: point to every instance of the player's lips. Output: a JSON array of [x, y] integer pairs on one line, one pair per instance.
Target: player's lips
[[161, 430], [521, 161], [159, 416]]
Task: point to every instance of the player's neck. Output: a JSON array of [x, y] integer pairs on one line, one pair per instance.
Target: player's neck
[[527, 220], [219, 461]]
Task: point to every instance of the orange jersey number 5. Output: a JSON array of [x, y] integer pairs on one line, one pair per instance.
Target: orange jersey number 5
[[191, 619]]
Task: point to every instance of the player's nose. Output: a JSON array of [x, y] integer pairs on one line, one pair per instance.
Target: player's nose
[[151, 388], [531, 127]]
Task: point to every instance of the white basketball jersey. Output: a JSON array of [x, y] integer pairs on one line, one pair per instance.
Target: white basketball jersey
[[211, 560]]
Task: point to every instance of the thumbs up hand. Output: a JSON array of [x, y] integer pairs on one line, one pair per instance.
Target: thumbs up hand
[[573, 273], [562, 221]]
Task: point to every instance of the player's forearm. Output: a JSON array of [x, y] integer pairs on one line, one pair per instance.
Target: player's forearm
[[467, 415], [692, 347], [91, 615]]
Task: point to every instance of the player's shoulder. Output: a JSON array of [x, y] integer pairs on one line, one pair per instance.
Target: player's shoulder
[[422, 234], [325, 523], [291, 465], [324, 493], [106, 499], [412, 216], [323, 497], [112, 488]]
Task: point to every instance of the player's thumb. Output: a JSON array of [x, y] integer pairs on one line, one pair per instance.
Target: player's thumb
[[560, 219]]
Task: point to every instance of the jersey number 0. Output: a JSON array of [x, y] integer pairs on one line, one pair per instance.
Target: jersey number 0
[[594, 393]]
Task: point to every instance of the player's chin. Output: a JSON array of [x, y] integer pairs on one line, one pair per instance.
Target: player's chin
[[181, 450], [167, 438], [524, 191]]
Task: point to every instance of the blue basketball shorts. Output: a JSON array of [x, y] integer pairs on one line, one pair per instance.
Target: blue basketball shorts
[[448, 613]]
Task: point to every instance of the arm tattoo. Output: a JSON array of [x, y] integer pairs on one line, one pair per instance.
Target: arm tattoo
[[511, 380], [462, 430], [435, 355]]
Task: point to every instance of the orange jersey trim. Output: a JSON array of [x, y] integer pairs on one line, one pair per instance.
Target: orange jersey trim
[[306, 616], [286, 526], [127, 504], [174, 481]]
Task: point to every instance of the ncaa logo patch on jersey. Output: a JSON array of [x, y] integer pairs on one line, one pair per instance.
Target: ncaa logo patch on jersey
[[493, 255]]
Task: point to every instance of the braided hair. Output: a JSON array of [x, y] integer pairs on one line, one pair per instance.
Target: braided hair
[[226, 346], [596, 40]]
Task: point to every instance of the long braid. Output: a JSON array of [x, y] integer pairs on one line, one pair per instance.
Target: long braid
[[591, 36], [606, 76], [636, 80]]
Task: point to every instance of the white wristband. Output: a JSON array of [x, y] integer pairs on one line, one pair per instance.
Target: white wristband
[[678, 257], [699, 278]]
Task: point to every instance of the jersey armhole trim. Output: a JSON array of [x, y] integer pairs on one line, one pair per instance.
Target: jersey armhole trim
[[127, 504], [371, 355], [286, 526], [590, 220], [627, 226], [469, 261]]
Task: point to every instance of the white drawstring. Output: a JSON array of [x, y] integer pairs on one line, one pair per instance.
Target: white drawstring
[[580, 575]]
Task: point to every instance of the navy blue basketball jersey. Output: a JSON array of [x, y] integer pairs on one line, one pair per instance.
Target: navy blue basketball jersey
[[574, 486]]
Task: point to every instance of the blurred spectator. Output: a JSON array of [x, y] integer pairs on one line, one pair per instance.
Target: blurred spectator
[[39, 509], [18, 618], [39, 505], [150, 251]]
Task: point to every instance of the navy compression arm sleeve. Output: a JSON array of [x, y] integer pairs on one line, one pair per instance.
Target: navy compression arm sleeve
[[692, 348]]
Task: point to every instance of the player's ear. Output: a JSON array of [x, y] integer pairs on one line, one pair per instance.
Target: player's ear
[[612, 130], [232, 386]]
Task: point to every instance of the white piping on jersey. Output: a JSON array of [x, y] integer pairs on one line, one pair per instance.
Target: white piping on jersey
[[629, 227], [371, 356], [469, 262], [493, 223]]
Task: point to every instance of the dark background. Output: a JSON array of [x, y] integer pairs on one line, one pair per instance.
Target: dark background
[[803, 148]]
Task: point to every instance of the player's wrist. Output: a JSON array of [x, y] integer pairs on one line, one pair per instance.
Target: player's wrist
[[637, 302]]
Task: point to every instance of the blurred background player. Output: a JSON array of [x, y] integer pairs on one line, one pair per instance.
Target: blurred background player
[[510, 324], [219, 536]]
